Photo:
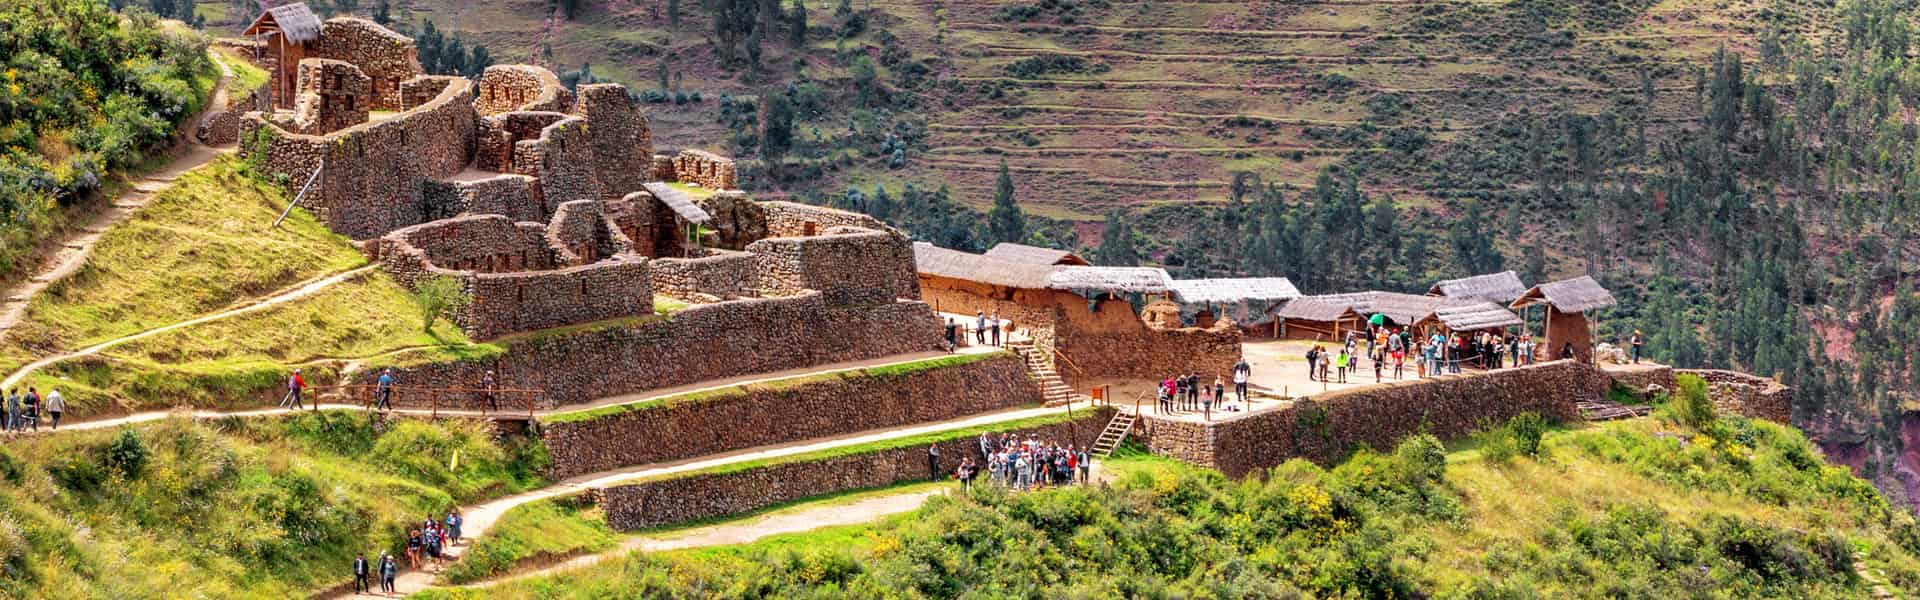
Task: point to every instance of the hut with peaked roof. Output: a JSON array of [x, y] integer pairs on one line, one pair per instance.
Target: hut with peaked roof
[[1035, 255], [1247, 300], [286, 30], [1478, 316], [1502, 287], [1568, 303], [1317, 318]]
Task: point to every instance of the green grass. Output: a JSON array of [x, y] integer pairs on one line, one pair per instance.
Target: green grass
[[247, 78], [667, 305], [542, 530], [704, 396]]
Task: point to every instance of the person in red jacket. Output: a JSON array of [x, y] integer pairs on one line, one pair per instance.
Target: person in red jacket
[[295, 384]]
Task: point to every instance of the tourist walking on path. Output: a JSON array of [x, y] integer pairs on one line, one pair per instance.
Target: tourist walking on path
[[980, 328], [1241, 373], [489, 391], [13, 411], [389, 568], [454, 521], [294, 385], [413, 549], [1340, 364], [30, 406], [1313, 363], [384, 390], [56, 404], [933, 462], [1636, 342], [360, 572], [996, 329], [952, 341], [1219, 392], [1166, 396]]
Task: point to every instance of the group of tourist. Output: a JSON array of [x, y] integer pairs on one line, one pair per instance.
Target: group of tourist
[[23, 410], [426, 544], [382, 392], [1188, 393], [987, 330], [1439, 353], [1024, 464]]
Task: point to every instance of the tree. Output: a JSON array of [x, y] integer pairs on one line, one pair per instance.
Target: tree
[[1472, 246], [733, 21], [383, 12], [436, 297], [1536, 263], [866, 80], [1116, 243], [776, 133], [673, 16], [1005, 222], [797, 31]]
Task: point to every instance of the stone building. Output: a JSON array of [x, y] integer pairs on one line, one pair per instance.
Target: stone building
[[291, 33], [333, 95]]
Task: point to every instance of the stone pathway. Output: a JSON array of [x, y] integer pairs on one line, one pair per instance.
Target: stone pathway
[[74, 248], [481, 517]]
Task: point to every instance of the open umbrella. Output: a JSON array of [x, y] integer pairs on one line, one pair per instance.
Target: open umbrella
[[1377, 320]]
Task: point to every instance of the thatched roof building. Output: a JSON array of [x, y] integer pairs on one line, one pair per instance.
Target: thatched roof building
[[1477, 316], [1035, 255], [294, 21], [1246, 300], [953, 264], [1500, 287], [1580, 294], [1111, 280]]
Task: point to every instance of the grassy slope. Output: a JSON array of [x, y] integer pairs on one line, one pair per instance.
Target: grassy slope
[[547, 529], [238, 509], [1553, 526]]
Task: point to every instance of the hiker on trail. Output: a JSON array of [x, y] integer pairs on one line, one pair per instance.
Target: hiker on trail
[[952, 341], [360, 572], [980, 328], [414, 542], [56, 404], [1241, 373], [389, 568], [454, 521], [30, 406], [384, 390], [431, 538], [933, 461], [996, 328], [489, 391], [13, 411], [294, 385], [1636, 342]]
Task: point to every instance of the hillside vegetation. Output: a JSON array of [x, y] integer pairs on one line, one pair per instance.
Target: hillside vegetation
[[1633, 509], [238, 508], [85, 94]]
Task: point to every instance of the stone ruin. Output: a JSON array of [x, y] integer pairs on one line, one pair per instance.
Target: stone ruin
[[334, 95], [698, 167]]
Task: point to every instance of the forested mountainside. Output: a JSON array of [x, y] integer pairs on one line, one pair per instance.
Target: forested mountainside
[[1736, 170]]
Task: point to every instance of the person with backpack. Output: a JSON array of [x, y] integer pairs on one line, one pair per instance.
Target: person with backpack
[[294, 386], [30, 406], [56, 404], [389, 570], [1313, 363], [384, 390]]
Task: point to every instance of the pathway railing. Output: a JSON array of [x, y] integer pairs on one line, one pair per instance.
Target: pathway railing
[[486, 401]]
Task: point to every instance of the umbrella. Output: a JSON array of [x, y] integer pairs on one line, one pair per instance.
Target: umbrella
[[1377, 320]]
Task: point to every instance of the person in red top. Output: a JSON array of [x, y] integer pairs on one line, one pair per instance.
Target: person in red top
[[294, 386]]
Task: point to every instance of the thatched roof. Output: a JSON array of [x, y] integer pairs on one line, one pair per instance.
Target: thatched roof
[[295, 21], [953, 264], [1493, 287], [1311, 308], [1234, 290], [1580, 294], [681, 203], [1034, 255], [1116, 280], [1404, 309], [1477, 316]]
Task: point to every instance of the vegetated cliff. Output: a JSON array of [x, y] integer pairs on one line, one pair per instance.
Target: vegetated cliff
[[1891, 461]]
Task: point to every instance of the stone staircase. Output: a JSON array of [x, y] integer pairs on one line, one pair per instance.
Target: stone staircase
[[1040, 368], [1116, 432]]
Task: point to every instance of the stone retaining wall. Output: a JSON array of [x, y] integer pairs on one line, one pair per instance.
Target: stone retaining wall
[[514, 196], [1330, 425], [506, 88], [1747, 395], [722, 275], [776, 412], [701, 343], [388, 59], [850, 265], [1148, 352], [1642, 379], [677, 500]]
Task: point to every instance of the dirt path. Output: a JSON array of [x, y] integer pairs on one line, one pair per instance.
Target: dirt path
[[303, 290], [74, 248], [482, 517], [726, 534]]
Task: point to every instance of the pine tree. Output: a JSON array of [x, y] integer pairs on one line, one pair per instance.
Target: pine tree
[[1005, 223], [383, 12], [1116, 243], [1472, 246], [673, 17], [797, 32], [776, 135], [1536, 263]]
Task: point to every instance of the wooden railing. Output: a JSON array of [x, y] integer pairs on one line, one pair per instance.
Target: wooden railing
[[1069, 362], [436, 398]]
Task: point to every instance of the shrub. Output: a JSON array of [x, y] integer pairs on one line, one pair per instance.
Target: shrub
[[1527, 429], [127, 454], [1693, 407], [436, 296]]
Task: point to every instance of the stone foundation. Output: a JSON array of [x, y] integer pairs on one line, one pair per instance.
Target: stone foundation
[[659, 502], [712, 422], [1747, 395], [1327, 427]]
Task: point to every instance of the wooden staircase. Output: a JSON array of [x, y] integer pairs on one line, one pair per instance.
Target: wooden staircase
[[1116, 432], [1052, 387]]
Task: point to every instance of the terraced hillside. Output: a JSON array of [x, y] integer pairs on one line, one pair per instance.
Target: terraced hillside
[[1104, 104]]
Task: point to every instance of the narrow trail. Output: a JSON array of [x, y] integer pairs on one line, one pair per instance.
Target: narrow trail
[[306, 289], [741, 532], [481, 518], [1166, 84], [75, 246]]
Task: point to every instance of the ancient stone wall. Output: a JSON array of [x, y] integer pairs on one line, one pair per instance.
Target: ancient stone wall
[[698, 496], [495, 141], [421, 90], [737, 220], [789, 219], [334, 95], [507, 88], [663, 168], [563, 160], [388, 59], [374, 172], [849, 265], [1328, 426], [706, 169], [579, 234], [622, 141], [700, 343], [514, 196], [1641, 379], [711, 422], [1747, 395], [721, 275]]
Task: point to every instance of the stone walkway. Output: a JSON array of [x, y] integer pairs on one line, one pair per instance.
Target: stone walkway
[[74, 248], [481, 517]]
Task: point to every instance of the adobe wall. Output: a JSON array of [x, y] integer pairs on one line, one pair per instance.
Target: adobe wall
[[758, 415], [1112, 342], [1747, 395], [514, 196], [1564, 328], [721, 275], [706, 169], [622, 140], [700, 343], [1327, 427], [372, 181], [506, 88], [387, 58], [849, 265], [677, 500]]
